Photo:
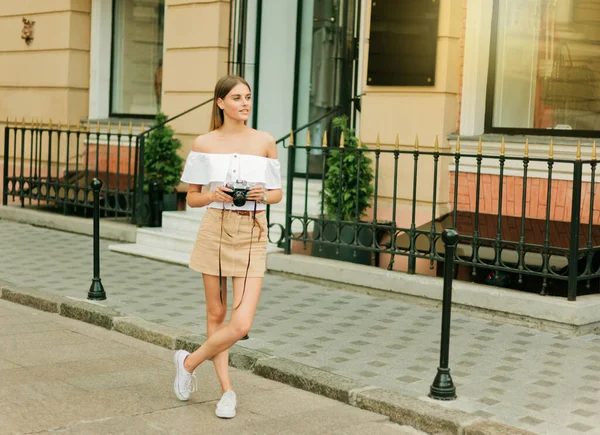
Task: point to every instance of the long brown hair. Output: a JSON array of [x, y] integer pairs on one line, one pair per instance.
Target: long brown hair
[[222, 88]]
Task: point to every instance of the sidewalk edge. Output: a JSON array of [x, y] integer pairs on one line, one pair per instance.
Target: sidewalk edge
[[109, 230], [401, 409]]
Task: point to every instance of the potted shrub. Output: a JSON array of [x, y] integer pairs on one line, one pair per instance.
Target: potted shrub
[[343, 201], [162, 170]]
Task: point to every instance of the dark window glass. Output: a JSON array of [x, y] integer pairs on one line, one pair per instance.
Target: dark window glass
[[546, 65], [403, 43]]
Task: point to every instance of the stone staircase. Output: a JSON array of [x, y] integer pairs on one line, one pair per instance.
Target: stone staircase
[[174, 241]]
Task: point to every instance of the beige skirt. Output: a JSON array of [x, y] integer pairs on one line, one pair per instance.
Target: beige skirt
[[237, 235]]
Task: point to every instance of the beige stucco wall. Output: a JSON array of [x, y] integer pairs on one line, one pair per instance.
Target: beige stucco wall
[[48, 79], [196, 41], [410, 111]]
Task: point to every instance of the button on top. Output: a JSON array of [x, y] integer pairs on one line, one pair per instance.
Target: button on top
[[235, 155]]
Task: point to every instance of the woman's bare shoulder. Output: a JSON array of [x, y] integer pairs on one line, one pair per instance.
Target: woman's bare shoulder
[[261, 137], [261, 142], [203, 143], [268, 143]]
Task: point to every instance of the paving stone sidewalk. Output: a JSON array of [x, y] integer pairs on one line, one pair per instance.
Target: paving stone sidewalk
[[538, 381], [62, 376]]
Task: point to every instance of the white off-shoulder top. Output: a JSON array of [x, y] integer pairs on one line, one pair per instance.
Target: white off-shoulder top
[[217, 169]]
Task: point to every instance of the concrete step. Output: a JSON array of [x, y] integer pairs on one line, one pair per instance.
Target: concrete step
[[166, 238], [180, 230], [152, 252], [183, 221], [175, 240]]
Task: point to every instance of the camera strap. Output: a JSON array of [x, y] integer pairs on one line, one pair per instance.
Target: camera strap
[[249, 254], [220, 241], [254, 223]]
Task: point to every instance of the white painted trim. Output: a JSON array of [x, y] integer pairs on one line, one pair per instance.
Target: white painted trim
[[250, 69], [100, 58], [164, 54], [475, 67], [560, 171], [362, 40]]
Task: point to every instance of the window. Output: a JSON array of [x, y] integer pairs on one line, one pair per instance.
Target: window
[[403, 43], [545, 67], [136, 78]]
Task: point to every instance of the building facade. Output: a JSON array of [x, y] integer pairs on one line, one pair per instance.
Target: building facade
[[484, 71]]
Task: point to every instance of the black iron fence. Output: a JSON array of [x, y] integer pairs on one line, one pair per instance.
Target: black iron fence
[[48, 164], [149, 207], [515, 238], [54, 165], [277, 231], [542, 236]]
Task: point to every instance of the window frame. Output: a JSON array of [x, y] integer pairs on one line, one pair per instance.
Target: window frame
[[111, 113], [490, 94]]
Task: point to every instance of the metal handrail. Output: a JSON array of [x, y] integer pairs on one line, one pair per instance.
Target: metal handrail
[[176, 116], [140, 144], [309, 124]]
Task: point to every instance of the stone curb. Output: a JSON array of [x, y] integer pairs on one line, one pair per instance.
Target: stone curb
[[35, 299], [189, 342], [148, 331], [489, 427], [109, 230], [89, 313], [245, 359], [415, 412], [307, 378], [406, 410]]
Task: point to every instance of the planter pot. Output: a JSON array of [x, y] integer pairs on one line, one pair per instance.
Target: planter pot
[[169, 201], [153, 203], [327, 230], [149, 211]]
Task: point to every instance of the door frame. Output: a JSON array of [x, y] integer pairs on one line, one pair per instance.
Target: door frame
[[100, 51], [353, 100], [112, 113], [356, 56], [238, 48]]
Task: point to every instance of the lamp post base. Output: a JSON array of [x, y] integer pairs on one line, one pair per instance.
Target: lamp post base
[[97, 292], [442, 387]]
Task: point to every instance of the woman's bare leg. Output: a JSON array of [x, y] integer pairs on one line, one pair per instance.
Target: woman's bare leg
[[238, 326], [216, 312]]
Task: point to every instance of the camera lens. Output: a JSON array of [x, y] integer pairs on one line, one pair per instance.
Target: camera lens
[[239, 199]]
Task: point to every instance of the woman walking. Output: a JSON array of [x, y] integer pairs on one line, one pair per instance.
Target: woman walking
[[240, 173]]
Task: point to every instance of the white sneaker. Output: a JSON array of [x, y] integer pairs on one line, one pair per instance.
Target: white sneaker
[[185, 382], [227, 404]]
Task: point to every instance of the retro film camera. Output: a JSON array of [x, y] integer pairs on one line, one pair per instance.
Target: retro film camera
[[239, 191]]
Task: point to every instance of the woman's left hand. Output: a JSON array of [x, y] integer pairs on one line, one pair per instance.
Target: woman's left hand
[[256, 193]]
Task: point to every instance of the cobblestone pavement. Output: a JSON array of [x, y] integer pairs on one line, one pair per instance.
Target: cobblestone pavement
[[539, 381], [61, 376]]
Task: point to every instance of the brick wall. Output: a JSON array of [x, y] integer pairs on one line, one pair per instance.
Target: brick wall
[[537, 190]]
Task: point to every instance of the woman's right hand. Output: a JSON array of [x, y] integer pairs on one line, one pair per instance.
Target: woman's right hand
[[220, 194]]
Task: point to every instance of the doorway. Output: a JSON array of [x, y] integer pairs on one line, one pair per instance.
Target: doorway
[[326, 61], [300, 67]]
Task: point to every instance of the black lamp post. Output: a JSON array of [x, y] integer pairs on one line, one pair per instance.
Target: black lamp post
[[96, 292], [443, 387]]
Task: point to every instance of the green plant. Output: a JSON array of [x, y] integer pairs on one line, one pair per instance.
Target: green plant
[[162, 163], [349, 177]]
